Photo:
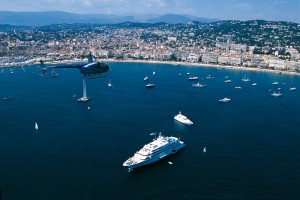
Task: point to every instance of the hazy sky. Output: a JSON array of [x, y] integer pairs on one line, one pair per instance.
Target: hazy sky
[[285, 10]]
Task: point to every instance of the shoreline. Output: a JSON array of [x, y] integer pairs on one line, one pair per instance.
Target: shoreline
[[175, 63], [203, 65]]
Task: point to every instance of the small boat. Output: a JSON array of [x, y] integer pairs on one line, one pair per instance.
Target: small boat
[[89, 108], [150, 85], [152, 134], [183, 119], [228, 81], [188, 73], [109, 84], [254, 84], [226, 76], [146, 78], [238, 87], [292, 89], [224, 100], [193, 78], [179, 74], [7, 98], [36, 126], [83, 99], [275, 83], [170, 163], [204, 149], [245, 79], [198, 85], [54, 74], [276, 94], [153, 73]]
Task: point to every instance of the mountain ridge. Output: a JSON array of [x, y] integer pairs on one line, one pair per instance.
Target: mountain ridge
[[59, 17]]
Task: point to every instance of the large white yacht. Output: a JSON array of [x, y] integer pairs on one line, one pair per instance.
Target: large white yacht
[[159, 148], [183, 119]]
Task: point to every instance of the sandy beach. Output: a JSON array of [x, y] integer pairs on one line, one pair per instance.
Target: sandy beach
[[204, 65], [156, 62]]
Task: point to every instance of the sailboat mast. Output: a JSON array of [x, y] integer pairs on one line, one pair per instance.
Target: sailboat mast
[[84, 88]]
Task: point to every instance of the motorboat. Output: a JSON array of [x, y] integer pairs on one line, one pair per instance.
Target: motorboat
[[183, 119], [225, 100], [193, 78], [150, 85], [159, 148]]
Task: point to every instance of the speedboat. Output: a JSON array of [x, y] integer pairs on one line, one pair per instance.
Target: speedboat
[[224, 100], [238, 87], [198, 85], [183, 119], [156, 150], [228, 81], [146, 78], [150, 85], [275, 83], [292, 88], [193, 78], [254, 84]]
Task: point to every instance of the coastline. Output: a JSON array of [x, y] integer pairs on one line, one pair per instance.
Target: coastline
[[175, 63], [202, 65]]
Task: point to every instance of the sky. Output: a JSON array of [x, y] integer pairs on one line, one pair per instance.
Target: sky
[[273, 10]]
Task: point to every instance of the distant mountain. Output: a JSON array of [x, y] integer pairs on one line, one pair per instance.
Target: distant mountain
[[176, 19], [58, 17]]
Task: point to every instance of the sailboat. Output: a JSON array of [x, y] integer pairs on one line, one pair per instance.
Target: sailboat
[[53, 73], [276, 94], [36, 126], [84, 98], [245, 79]]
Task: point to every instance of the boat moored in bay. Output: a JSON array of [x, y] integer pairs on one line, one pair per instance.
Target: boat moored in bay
[[156, 150], [183, 119]]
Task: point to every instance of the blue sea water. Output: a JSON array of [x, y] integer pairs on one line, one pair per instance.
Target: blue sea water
[[253, 142]]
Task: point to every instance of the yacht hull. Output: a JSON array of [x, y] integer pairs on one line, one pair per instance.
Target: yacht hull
[[156, 158]]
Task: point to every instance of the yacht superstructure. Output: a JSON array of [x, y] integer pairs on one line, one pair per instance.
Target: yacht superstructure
[[183, 119], [159, 148]]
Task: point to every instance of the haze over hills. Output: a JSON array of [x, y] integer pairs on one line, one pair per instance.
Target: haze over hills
[[58, 17]]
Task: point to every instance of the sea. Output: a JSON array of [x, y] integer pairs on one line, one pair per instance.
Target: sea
[[252, 142]]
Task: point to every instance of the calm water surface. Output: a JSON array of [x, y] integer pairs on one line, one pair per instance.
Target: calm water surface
[[253, 142]]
